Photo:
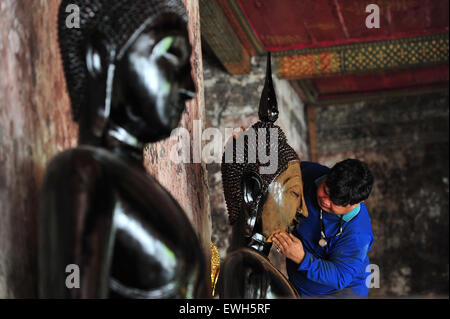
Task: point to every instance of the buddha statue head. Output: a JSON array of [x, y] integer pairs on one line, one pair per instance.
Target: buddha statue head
[[260, 201], [127, 68]]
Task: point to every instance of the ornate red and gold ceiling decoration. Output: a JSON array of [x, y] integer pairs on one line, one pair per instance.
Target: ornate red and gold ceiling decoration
[[325, 47]]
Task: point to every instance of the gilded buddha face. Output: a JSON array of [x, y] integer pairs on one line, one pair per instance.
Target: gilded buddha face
[[284, 199]]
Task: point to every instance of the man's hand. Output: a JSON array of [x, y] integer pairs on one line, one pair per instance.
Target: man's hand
[[290, 246]]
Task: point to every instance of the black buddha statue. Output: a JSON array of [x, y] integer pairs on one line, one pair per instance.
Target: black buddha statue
[[260, 203], [128, 74]]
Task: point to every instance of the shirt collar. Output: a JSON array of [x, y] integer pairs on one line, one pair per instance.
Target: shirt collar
[[347, 217]]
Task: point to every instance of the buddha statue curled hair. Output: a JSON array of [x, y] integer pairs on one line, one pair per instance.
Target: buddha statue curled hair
[[118, 21], [233, 172]]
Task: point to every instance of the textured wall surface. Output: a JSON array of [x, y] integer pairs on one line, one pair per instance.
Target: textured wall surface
[[405, 142], [232, 102], [187, 182], [35, 124]]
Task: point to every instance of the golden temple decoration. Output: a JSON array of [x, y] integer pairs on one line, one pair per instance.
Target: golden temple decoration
[[365, 57], [215, 266]]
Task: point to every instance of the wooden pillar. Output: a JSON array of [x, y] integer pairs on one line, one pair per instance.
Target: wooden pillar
[[312, 132]]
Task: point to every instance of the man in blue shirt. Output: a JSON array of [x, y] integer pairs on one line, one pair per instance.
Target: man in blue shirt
[[327, 254]]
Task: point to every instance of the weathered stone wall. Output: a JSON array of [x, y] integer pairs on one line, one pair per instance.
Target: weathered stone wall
[[187, 182], [35, 124], [232, 102], [405, 142]]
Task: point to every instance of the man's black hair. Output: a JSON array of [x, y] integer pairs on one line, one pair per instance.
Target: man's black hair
[[349, 182]]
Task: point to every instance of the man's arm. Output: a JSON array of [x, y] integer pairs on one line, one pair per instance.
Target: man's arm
[[337, 271]]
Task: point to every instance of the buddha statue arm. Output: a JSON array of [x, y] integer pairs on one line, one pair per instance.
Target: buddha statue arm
[[75, 228]]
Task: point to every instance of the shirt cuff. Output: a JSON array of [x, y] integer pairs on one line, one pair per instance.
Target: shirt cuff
[[306, 262]]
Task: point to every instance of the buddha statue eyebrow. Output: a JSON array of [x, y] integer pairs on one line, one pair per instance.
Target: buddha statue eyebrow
[[174, 22], [289, 178]]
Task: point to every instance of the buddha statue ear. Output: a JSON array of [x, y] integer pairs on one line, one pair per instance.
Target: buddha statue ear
[[100, 65], [251, 189], [95, 62], [268, 106]]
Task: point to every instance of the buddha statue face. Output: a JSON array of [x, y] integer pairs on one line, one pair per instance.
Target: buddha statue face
[[259, 201], [153, 81], [284, 201], [277, 207], [127, 68]]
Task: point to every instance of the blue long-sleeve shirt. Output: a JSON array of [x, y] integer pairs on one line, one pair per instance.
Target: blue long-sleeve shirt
[[340, 266]]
